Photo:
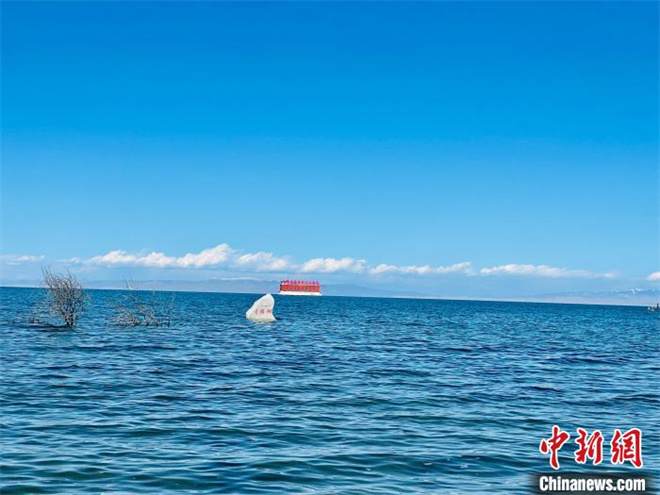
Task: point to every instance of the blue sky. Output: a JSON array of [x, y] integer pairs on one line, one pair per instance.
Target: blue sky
[[519, 137]]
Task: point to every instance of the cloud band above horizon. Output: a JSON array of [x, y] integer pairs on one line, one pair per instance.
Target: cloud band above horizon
[[223, 256]]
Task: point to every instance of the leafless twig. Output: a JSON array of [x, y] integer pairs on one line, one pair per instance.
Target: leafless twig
[[136, 309], [65, 296]]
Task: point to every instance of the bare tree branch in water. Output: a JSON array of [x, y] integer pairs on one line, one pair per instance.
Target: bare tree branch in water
[[65, 296], [137, 309]]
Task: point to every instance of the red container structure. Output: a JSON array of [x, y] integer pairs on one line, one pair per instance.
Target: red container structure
[[300, 288]]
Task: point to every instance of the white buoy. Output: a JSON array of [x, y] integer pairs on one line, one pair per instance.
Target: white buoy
[[262, 309]]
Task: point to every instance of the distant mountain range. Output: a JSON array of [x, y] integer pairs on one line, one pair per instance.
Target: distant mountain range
[[635, 297], [235, 285]]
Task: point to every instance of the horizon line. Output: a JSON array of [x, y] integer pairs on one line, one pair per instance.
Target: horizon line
[[420, 297]]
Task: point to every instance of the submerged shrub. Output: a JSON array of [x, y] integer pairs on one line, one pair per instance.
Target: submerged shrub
[[65, 296], [139, 309]]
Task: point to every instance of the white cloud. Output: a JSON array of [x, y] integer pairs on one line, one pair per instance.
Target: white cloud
[[653, 277], [263, 262], [228, 258], [541, 271], [225, 256], [331, 265], [208, 257], [119, 257], [221, 255], [20, 259], [465, 267], [215, 256]]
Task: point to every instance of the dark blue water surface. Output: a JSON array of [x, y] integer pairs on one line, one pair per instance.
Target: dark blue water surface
[[340, 395]]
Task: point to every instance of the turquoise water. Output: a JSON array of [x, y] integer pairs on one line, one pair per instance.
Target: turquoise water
[[341, 395]]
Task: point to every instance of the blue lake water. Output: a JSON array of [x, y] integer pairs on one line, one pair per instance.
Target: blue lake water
[[340, 395]]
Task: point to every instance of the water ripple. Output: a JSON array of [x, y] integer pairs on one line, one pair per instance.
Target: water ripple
[[341, 395]]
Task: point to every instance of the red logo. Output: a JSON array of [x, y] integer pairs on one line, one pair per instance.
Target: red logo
[[627, 447], [623, 447], [554, 444], [591, 447]]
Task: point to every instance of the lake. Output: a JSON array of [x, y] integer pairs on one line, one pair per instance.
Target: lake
[[340, 395]]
